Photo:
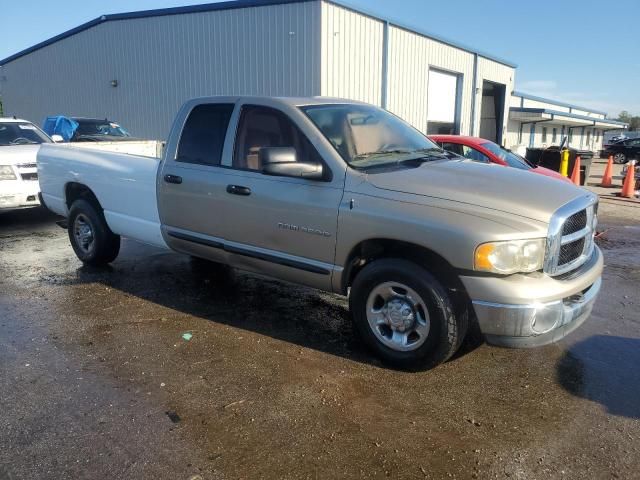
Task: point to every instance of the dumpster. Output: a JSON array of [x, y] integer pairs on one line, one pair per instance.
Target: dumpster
[[550, 158]]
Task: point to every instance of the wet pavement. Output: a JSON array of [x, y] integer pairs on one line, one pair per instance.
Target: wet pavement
[[99, 380]]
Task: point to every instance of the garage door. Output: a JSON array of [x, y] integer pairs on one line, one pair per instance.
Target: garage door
[[442, 103]]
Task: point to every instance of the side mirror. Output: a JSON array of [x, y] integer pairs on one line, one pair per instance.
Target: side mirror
[[57, 138], [283, 162]]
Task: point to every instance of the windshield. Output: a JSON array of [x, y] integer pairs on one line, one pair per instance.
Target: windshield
[[91, 128], [21, 133], [367, 136], [513, 160]]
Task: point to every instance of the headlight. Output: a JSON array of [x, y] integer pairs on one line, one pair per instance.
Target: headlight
[[6, 173], [511, 256]]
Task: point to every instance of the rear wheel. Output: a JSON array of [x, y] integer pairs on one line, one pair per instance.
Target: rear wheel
[[620, 158], [91, 238], [405, 315]]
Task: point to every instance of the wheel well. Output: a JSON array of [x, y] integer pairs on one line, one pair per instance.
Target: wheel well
[[74, 191], [370, 250]]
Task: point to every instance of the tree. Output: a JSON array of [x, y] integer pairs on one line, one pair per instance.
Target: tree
[[632, 120]]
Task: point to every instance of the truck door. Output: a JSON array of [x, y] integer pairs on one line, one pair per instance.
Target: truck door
[[281, 226], [190, 187]]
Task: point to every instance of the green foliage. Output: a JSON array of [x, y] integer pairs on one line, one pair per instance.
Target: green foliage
[[632, 120]]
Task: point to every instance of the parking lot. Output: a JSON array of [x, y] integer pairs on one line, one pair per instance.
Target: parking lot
[[158, 368]]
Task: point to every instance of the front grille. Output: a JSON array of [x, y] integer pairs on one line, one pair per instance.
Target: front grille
[[575, 223], [29, 176], [570, 241], [27, 165], [570, 252]]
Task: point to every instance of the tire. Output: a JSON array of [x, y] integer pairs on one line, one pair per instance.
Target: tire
[[620, 158], [425, 347], [91, 238]]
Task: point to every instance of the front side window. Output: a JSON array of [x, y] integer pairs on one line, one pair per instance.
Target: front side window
[[367, 136], [513, 160], [262, 127], [473, 154], [203, 135], [21, 133]]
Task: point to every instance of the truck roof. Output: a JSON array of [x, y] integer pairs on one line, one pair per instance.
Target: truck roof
[[293, 101]]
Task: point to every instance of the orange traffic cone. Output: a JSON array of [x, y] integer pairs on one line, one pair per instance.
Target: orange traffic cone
[[607, 180], [628, 187], [575, 175]]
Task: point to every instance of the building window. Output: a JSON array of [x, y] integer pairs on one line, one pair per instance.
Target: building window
[[570, 135], [544, 134], [588, 138], [554, 135]]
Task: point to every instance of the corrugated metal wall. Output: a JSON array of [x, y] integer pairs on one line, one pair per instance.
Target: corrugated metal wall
[[351, 55], [160, 62], [352, 66], [411, 55]]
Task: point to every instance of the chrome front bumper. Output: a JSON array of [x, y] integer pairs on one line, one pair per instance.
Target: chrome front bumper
[[521, 326]]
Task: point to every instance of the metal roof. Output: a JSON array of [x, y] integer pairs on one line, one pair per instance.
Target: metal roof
[[553, 114], [229, 5], [554, 102]]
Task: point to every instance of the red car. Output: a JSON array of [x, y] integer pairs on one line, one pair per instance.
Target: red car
[[482, 150]]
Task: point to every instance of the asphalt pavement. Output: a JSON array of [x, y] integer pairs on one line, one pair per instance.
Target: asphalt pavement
[[158, 368]]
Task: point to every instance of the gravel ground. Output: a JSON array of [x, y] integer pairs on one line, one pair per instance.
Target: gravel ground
[[97, 379]]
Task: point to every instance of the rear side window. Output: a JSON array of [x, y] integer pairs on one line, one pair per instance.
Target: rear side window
[[203, 135]]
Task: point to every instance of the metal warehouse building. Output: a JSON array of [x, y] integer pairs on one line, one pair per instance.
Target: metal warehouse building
[[138, 68]]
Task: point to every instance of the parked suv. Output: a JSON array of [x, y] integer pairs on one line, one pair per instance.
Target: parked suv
[[624, 150]]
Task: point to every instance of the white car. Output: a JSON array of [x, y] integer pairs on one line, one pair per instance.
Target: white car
[[20, 141]]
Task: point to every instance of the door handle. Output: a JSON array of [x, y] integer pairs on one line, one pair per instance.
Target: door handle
[[238, 190], [173, 179]]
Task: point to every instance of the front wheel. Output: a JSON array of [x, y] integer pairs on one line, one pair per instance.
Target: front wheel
[[405, 315], [620, 158], [91, 238]]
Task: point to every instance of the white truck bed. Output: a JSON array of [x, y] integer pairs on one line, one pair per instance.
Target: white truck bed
[[145, 148], [124, 184]]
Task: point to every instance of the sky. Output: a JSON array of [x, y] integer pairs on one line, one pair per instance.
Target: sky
[[583, 52]]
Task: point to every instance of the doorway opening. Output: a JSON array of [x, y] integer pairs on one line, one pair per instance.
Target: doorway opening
[[492, 111]]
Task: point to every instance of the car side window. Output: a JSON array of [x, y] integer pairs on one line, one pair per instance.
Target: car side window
[[203, 134], [261, 127], [473, 154], [452, 147], [634, 143]]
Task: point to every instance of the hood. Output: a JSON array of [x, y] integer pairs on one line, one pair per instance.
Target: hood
[[510, 190], [15, 154]]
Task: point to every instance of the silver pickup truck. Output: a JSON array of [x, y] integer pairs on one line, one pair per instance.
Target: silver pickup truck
[[347, 198]]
